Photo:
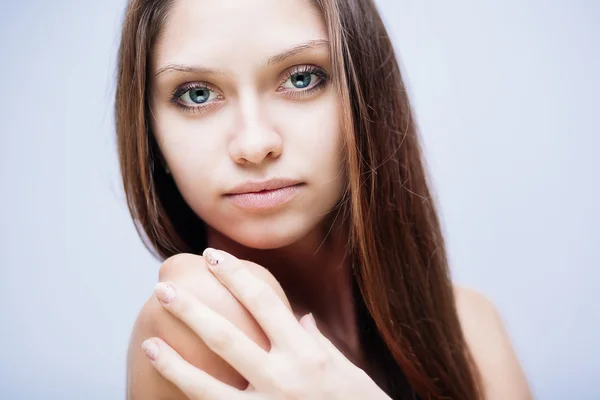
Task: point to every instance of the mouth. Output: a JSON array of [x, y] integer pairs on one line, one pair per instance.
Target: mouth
[[264, 195]]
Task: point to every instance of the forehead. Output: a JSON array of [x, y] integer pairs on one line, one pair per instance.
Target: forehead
[[218, 33]]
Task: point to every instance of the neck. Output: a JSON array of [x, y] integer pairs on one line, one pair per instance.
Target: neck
[[316, 276]]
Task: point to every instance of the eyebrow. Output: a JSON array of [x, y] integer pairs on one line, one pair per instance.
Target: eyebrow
[[297, 49], [278, 58]]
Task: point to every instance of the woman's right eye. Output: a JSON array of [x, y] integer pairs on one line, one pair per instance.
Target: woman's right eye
[[194, 97]]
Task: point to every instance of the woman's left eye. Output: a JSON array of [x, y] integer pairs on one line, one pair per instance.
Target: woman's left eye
[[304, 79]]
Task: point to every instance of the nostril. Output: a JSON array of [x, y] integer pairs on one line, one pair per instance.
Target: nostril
[[273, 154]]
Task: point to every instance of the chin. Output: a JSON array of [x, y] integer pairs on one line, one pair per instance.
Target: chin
[[267, 234], [264, 242]]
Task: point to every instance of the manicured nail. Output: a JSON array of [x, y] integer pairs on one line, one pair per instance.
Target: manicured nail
[[164, 292], [213, 257], [150, 349], [311, 318]]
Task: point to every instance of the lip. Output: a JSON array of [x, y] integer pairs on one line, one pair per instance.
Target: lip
[[259, 186], [264, 195]]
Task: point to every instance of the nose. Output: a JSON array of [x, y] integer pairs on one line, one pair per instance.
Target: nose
[[255, 139]]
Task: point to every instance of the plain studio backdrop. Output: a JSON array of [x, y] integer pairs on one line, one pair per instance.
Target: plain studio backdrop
[[507, 100]]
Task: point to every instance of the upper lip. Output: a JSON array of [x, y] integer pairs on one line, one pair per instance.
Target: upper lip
[[258, 186]]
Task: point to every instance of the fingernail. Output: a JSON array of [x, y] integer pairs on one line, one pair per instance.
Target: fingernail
[[164, 292], [312, 319], [150, 349], [213, 257]]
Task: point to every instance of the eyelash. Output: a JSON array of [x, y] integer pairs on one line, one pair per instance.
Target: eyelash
[[298, 93]]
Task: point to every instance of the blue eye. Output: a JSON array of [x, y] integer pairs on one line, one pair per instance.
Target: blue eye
[[305, 78], [301, 80], [197, 95]]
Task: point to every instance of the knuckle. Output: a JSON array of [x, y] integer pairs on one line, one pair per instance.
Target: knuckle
[[270, 375], [289, 387], [181, 305], [291, 390], [199, 392], [295, 394], [176, 264], [194, 389], [280, 374], [316, 360], [257, 292], [218, 339], [294, 378], [165, 367]]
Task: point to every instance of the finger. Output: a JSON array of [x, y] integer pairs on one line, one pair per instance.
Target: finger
[[193, 382], [309, 324], [216, 331], [276, 320]]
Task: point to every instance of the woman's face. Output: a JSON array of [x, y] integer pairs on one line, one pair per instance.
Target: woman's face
[[241, 94]]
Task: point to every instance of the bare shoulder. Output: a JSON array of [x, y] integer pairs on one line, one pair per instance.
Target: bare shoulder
[[486, 336], [190, 272]]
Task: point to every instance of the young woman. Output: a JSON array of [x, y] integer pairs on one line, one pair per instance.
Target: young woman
[[279, 132]]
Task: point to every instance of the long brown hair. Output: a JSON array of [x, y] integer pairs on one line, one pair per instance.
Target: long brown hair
[[405, 299]]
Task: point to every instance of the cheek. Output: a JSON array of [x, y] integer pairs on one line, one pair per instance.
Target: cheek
[[191, 153], [329, 157], [313, 144], [316, 139]]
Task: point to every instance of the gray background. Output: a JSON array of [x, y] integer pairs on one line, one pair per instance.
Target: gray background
[[506, 95]]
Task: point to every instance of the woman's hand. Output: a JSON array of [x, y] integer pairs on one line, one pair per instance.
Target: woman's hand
[[301, 364]]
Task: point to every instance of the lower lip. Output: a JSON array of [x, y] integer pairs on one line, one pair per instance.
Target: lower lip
[[265, 200]]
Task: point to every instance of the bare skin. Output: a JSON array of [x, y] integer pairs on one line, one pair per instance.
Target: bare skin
[[502, 374], [251, 123]]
